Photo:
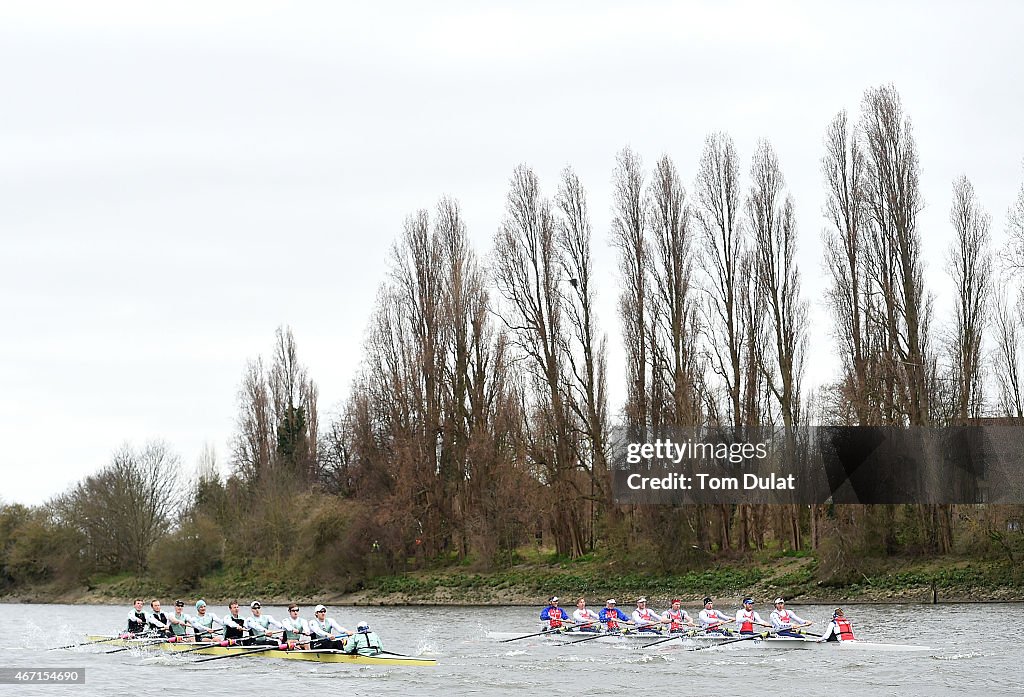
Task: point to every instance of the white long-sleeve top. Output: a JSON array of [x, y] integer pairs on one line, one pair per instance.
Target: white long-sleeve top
[[680, 618], [326, 628], [748, 616], [645, 617], [585, 616], [710, 617], [259, 626], [784, 619]]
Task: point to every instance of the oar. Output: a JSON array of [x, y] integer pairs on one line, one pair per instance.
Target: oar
[[748, 637], [149, 642], [549, 630], [689, 634], [258, 649], [601, 634], [98, 641], [208, 644]]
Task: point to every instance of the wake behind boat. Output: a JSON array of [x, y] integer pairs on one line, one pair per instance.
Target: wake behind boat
[[317, 655]]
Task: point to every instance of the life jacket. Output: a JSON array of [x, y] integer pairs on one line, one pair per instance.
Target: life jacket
[[554, 618], [137, 626], [675, 620], [231, 632], [845, 629], [748, 621], [611, 619]]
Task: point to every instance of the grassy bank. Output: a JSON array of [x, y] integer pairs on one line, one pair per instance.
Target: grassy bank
[[797, 577]]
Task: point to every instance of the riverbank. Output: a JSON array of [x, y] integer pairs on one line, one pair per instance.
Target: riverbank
[[935, 580]]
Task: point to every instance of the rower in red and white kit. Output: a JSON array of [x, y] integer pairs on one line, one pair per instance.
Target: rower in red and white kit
[[676, 617], [711, 620], [748, 617], [554, 615], [785, 622], [644, 619], [585, 618], [839, 629], [613, 616]]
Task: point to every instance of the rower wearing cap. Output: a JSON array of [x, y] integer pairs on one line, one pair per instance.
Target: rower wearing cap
[[839, 629], [325, 632], [234, 624], [747, 617], [202, 622], [364, 642], [179, 620], [612, 616], [677, 617], [259, 626], [645, 619], [585, 618], [784, 621], [553, 614], [711, 620]]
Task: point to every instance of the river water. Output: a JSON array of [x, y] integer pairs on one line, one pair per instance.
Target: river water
[[975, 649]]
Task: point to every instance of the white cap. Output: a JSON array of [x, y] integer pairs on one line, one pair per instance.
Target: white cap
[[779, 600], [641, 599], [553, 599], [255, 604], [610, 601], [363, 626], [319, 608]]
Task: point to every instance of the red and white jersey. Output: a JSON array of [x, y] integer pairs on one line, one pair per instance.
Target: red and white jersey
[[645, 616], [746, 619], [784, 619], [710, 617]]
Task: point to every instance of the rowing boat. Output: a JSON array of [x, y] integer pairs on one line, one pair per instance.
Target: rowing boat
[[316, 655], [682, 639]]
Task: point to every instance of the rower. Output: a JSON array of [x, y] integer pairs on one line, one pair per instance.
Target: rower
[[202, 622], [234, 624], [612, 616], [645, 619], [325, 632], [677, 617], [784, 621], [296, 629], [711, 620], [179, 620], [259, 625], [158, 620], [364, 642], [137, 618], [748, 617], [586, 618], [839, 629], [553, 614]]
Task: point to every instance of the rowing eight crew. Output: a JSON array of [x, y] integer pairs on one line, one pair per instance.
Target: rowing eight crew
[[321, 632], [784, 622]]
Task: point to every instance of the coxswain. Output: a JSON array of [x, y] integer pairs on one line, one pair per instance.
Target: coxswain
[[839, 629], [711, 620], [612, 616], [158, 620], [586, 619], [676, 617], [554, 615], [364, 642], [645, 619], [259, 626], [202, 622], [179, 620], [747, 617], [325, 632], [785, 622], [296, 629], [234, 624], [137, 618]]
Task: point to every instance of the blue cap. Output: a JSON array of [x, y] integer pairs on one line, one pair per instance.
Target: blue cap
[[200, 603]]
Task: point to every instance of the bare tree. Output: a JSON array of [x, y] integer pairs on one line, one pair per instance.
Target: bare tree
[[1007, 367], [970, 266]]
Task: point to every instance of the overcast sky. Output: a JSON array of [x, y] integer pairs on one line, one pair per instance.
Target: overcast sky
[[175, 184]]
